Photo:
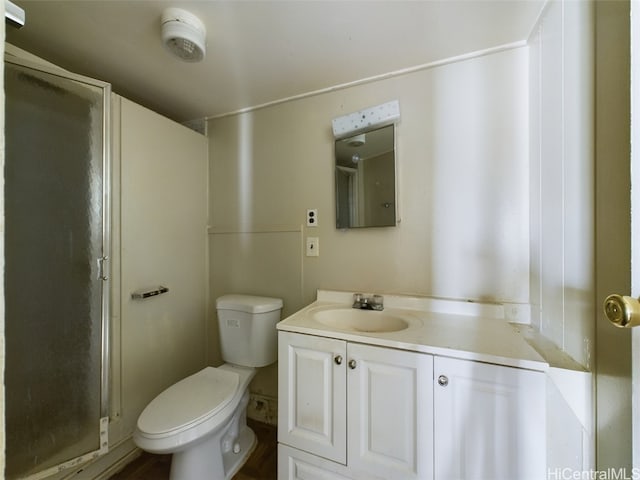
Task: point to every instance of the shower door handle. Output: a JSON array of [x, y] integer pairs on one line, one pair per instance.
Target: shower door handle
[[101, 268]]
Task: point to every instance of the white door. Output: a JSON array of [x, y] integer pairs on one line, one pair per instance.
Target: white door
[[312, 394], [635, 224], [489, 421], [390, 398]]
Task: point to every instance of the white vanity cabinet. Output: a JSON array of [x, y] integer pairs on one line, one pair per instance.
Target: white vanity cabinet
[[348, 410], [389, 412], [312, 409], [489, 421], [366, 407]]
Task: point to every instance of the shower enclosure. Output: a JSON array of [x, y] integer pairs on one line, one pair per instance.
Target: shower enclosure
[[56, 277]]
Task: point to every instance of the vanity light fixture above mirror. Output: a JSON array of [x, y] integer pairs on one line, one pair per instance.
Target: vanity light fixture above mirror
[[368, 119]]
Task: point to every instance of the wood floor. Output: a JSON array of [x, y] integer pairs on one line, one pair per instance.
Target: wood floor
[[261, 465]]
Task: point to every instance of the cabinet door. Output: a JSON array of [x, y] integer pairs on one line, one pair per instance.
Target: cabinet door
[[390, 401], [489, 421], [294, 464], [312, 394]]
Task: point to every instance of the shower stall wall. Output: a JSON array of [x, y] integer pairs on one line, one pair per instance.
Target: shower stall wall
[[56, 277]]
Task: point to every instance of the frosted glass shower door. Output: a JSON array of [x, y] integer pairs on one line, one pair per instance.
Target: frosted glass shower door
[[56, 179]]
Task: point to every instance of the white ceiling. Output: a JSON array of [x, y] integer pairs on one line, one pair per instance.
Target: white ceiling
[[261, 51]]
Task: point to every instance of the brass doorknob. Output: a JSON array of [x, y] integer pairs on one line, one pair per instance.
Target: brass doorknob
[[622, 311]]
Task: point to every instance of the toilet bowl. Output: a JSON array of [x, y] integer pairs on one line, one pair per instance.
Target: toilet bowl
[[201, 420]]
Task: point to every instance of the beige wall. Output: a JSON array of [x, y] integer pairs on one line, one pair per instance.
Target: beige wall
[[161, 170], [462, 192]]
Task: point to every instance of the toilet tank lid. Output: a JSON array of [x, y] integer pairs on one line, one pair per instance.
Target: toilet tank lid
[[248, 303]]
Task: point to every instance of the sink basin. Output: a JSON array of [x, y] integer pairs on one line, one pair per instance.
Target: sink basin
[[360, 320]]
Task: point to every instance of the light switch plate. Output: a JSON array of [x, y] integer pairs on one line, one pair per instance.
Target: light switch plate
[[313, 247]]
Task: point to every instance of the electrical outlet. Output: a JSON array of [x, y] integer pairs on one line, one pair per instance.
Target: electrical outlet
[[312, 217], [263, 408], [313, 247]]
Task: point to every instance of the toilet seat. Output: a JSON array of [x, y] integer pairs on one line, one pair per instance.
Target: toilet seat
[[189, 402]]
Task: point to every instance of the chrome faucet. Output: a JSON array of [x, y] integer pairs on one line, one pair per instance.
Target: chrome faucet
[[373, 302]]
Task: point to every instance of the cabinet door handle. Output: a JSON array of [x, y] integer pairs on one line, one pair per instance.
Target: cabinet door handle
[[352, 364], [338, 359], [443, 381]]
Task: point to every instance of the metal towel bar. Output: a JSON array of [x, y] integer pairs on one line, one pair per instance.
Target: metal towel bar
[[149, 292]]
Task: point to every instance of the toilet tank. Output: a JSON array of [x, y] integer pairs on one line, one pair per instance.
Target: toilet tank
[[247, 326]]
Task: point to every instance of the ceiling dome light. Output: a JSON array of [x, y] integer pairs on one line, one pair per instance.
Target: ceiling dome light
[[357, 141], [183, 34]]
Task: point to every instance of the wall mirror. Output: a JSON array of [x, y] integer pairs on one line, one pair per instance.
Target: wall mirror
[[365, 177]]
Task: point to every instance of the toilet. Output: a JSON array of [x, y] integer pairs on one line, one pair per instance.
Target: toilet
[[201, 419]]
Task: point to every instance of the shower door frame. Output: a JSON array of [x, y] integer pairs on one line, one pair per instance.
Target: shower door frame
[[103, 262]]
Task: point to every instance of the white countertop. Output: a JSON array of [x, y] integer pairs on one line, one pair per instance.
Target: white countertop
[[439, 327]]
